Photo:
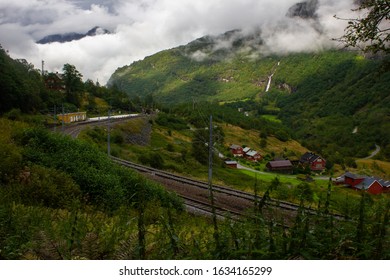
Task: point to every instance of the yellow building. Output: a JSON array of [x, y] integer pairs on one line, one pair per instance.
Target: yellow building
[[72, 117]]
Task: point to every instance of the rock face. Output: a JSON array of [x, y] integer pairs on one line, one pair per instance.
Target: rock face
[[359, 2], [68, 37], [304, 10]]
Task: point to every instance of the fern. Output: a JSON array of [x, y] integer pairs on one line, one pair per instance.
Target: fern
[[128, 249], [91, 247], [48, 249]]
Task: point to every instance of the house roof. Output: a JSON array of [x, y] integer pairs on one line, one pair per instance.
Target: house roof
[[309, 157], [230, 162], [383, 182], [235, 147], [366, 184], [354, 176], [280, 164], [246, 149], [251, 153]]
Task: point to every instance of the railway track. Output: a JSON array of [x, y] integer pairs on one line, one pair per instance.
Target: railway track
[[246, 200], [217, 189], [74, 129], [197, 206]]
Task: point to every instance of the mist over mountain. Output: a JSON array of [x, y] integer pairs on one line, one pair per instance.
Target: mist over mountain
[[72, 36], [299, 30]]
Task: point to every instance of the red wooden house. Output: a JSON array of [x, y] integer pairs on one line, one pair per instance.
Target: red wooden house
[[315, 162], [352, 180], [385, 184], [54, 81], [236, 150], [253, 156], [359, 182], [370, 185]]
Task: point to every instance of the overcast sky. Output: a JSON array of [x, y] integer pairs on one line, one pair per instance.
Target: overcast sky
[[143, 27]]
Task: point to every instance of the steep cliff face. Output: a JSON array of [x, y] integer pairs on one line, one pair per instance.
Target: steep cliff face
[[305, 9]]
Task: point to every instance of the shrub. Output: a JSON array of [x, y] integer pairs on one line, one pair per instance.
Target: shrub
[[102, 182], [46, 187], [11, 161]]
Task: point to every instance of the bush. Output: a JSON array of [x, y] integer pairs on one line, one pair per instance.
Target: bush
[[171, 121], [304, 192], [14, 115], [46, 187], [282, 135], [153, 159], [350, 162], [101, 182], [11, 161], [170, 148], [117, 137], [263, 143]]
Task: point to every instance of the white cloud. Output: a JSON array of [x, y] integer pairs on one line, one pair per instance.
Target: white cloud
[[143, 27]]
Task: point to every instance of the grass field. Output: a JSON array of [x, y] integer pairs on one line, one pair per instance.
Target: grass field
[[374, 167], [251, 138], [271, 118], [269, 177]]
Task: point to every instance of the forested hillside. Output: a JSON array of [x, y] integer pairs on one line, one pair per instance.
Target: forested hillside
[[335, 102], [25, 90]]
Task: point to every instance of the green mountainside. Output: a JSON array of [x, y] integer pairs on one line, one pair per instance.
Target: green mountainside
[[196, 71], [335, 102]]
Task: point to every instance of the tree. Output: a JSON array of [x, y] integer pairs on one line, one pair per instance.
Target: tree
[[20, 85], [200, 142], [371, 32], [73, 84]]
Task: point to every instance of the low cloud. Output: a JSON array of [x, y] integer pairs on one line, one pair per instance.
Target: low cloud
[[144, 27]]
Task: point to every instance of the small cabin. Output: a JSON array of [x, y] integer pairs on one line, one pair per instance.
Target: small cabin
[[280, 166], [231, 164]]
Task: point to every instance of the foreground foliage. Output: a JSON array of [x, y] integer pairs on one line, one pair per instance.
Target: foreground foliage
[[371, 31]]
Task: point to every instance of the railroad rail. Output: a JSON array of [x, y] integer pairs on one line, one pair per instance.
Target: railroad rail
[[288, 206], [194, 205], [75, 128]]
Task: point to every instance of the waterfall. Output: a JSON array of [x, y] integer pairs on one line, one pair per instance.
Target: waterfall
[[270, 77]]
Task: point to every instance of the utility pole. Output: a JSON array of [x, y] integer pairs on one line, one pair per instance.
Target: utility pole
[[55, 118], [211, 157], [108, 135], [63, 116], [211, 193]]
